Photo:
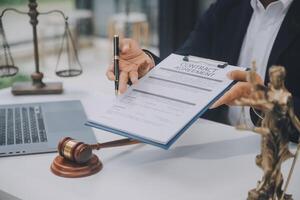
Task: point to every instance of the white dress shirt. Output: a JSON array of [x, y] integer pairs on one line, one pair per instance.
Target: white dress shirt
[[258, 42]]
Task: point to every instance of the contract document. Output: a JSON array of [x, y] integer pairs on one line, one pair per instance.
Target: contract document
[[167, 100]]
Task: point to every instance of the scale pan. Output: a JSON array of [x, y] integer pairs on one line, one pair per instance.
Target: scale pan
[[69, 73], [68, 64], [8, 70]]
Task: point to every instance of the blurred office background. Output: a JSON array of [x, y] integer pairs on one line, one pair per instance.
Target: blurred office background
[[159, 25]]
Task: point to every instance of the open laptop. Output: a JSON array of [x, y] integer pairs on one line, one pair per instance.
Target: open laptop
[[38, 127], [7, 196]]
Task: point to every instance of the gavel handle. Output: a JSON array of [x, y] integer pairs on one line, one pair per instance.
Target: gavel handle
[[116, 143]]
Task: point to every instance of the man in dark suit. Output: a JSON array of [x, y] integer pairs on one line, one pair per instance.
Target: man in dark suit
[[235, 31]]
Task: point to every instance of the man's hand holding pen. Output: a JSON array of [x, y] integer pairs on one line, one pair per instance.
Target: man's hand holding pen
[[134, 63]]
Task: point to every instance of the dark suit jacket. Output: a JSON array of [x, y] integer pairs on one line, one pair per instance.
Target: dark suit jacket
[[220, 32]]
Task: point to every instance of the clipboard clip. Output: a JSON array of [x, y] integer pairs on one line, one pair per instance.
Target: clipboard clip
[[195, 59]]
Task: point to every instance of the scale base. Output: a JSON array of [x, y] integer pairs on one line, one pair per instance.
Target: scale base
[[68, 169], [31, 89]]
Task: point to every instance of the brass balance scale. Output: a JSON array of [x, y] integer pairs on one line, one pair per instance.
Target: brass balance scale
[[37, 86]]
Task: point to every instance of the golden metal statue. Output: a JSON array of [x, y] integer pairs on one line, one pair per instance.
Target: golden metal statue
[[277, 119]]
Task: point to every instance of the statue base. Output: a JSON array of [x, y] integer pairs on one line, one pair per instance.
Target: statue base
[[256, 195]]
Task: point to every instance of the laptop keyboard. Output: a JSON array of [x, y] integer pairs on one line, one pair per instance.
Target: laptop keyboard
[[22, 125]]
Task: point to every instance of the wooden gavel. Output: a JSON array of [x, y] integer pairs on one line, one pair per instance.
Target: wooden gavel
[[76, 159], [80, 152]]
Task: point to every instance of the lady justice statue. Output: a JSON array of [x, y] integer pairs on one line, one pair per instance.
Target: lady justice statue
[[277, 120]]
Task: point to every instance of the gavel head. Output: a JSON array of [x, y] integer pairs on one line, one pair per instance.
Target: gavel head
[[74, 151]]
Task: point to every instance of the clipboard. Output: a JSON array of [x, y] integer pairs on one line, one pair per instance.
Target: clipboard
[[171, 60]]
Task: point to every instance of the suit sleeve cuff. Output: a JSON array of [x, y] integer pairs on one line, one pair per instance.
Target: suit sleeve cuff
[[155, 58]]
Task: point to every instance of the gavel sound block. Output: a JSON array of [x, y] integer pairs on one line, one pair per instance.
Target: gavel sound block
[[76, 159]]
